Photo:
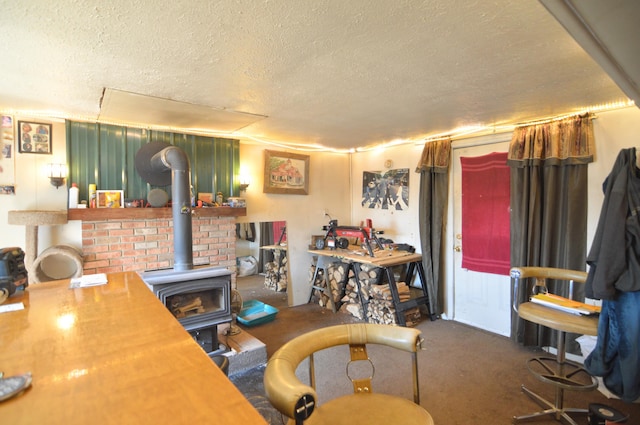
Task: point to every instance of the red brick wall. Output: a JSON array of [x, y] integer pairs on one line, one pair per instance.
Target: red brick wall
[[147, 244]]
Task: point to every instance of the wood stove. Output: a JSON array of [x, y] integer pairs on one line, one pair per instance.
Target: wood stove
[[200, 298]]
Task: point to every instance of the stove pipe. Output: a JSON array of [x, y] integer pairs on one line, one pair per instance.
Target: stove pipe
[[153, 162], [175, 159]]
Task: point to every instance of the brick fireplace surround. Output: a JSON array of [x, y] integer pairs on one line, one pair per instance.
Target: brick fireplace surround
[[139, 239]]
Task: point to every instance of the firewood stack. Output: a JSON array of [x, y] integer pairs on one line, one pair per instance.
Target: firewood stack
[[320, 295], [380, 308], [368, 275], [336, 273], [186, 305], [276, 272]]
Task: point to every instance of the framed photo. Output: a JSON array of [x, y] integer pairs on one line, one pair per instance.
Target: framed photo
[[387, 190], [286, 173], [7, 155], [110, 198], [34, 137]]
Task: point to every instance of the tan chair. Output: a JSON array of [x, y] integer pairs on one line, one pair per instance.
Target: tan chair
[[299, 401], [557, 371]]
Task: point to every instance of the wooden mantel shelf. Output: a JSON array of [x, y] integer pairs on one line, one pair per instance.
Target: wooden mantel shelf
[[100, 214]]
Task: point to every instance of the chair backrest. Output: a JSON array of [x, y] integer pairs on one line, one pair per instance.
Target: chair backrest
[[296, 399], [541, 275]]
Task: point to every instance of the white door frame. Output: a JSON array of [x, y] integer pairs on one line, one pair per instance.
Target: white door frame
[[450, 242]]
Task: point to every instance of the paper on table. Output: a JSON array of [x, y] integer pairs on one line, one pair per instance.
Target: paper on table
[[88, 280], [565, 304], [11, 307]]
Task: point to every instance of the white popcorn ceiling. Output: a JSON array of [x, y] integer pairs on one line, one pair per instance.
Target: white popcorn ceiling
[[332, 72]]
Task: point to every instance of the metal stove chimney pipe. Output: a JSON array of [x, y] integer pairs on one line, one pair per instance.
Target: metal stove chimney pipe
[[174, 158]]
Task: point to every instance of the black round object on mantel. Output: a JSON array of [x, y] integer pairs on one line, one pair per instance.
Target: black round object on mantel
[[145, 168], [157, 198]]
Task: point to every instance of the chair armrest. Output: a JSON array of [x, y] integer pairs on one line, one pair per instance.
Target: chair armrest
[[284, 390], [541, 274], [549, 273]]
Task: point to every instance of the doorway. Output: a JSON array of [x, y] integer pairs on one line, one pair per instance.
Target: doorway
[[481, 300]]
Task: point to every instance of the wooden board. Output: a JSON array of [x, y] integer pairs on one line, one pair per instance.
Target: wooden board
[[381, 258]]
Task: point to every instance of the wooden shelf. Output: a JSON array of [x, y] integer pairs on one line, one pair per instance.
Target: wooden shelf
[[100, 214]]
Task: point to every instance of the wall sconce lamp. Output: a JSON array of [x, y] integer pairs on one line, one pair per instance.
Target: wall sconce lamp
[[57, 174], [244, 183]]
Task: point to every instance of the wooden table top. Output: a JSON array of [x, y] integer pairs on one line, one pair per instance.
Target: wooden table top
[[381, 258], [110, 354]]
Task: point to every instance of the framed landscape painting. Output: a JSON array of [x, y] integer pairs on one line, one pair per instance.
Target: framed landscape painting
[[286, 173]]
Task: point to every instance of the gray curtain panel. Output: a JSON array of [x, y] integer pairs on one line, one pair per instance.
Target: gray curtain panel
[[549, 210], [434, 184]]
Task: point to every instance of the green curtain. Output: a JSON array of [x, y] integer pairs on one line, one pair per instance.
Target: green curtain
[[549, 210], [434, 183], [104, 155]]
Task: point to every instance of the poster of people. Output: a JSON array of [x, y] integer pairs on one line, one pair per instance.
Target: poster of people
[[387, 190], [7, 174]]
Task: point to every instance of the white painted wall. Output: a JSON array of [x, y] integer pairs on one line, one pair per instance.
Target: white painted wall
[[35, 192], [613, 130], [329, 189], [400, 226], [335, 186]]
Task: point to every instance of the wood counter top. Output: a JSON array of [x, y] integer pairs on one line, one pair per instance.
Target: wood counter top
[[101, 214], [110, 354]]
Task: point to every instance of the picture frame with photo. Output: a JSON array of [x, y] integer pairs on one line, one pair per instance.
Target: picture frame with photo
[[110, 198], [34, 137]]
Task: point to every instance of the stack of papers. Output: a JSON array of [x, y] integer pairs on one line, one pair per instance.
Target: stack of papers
[[565, 304], [88, 280]]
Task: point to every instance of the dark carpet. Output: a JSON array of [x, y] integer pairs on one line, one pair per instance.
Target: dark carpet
[[467, 376]]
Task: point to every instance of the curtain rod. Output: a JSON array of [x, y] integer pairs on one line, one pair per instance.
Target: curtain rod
[[502, 129]]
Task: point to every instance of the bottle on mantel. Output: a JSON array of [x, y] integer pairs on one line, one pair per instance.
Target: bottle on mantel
[[92, 196], [74, 194]]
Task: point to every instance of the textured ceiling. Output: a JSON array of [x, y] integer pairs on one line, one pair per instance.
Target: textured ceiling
[[329, 72]]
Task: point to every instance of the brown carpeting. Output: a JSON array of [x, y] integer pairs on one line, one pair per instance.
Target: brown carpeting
[[467, 376]]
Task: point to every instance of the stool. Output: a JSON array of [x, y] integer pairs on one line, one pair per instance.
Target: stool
[[557, 371]]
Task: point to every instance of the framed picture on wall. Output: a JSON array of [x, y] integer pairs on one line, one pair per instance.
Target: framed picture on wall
[[286, 173], [34, 137], [7, 156]]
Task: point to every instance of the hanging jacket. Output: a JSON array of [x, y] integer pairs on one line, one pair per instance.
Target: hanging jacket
[[614, 277], [614, 258]]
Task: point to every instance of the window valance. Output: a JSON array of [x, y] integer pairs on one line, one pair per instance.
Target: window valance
[[563, 142], [435, 156]]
